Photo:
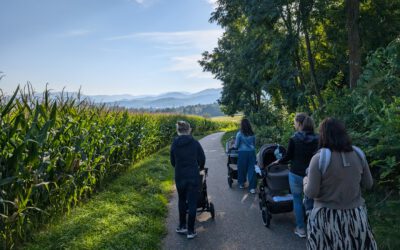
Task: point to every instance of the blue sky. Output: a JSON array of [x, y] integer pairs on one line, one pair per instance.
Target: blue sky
[[106, 46]]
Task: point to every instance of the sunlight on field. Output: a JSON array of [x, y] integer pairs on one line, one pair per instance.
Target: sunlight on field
[[235, 118]]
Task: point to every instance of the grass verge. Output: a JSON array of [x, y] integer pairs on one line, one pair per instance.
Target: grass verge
[[128, 214]]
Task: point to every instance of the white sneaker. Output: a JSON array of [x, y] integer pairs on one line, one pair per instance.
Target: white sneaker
[[181, 230], [301, 232], [191, 235], [252, 191]]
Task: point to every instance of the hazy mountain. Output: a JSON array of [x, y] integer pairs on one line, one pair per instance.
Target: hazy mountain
[[166, 100], [171, 99]]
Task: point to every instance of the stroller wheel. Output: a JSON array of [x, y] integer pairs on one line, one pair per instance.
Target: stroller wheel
[[212, 210], [230, 181], [266, 217]]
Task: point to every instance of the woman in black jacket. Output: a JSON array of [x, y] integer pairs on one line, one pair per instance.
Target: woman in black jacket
[[302, 146], [187, 157]]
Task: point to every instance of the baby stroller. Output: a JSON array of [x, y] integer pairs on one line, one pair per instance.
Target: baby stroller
[[274, 191], [202, 203], [232, 154]]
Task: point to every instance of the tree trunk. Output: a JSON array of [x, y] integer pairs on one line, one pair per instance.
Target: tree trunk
[[312, 65], [353, 12]]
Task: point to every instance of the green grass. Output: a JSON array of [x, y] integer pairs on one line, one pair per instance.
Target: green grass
[[128, 214], [384, 216]]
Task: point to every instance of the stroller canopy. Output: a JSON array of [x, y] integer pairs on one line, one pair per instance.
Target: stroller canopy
[[266, 155]]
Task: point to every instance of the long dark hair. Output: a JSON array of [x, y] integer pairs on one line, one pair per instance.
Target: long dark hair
[[333, 135], [245, 127]]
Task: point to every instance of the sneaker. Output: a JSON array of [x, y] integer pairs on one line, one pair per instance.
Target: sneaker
[[241, 186], [181, 230], [300, 232], [252, 191], [191, 235]]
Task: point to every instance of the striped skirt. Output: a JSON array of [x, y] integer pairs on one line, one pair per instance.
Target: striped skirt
[[339, 229]]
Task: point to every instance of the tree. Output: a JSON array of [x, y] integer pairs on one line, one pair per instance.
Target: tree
[[353, 13]]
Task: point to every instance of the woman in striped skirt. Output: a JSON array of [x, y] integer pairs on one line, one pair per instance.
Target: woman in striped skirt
[[339, 217]]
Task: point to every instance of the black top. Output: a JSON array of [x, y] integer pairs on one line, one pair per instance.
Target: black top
[[302, 146], [187, 156]]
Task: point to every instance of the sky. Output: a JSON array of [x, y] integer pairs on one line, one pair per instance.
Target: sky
[[136, 47]]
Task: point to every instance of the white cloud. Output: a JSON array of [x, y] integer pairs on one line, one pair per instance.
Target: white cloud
[[75, 33], [213, 3], [143, 3], [177, 45], [189, 65], [194, 39]]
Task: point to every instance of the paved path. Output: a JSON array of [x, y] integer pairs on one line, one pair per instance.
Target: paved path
[[237, 223]]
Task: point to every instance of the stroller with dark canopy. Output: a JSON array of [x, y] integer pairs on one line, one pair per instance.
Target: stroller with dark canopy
[[202, 203], [274, 191], [231, 164]]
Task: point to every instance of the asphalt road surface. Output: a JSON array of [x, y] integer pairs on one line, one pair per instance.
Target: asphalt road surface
[[238, 223]]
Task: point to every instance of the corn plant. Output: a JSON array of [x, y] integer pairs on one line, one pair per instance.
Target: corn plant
[[56, 151]]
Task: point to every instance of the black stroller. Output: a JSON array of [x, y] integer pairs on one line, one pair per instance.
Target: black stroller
[[231, 164], [202, 203], [274, 191]]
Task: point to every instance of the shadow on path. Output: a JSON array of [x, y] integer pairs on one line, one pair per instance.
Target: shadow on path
[[237, 223]]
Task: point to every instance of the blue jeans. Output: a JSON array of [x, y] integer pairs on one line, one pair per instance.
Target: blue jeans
[[296, 188], [246, 163]]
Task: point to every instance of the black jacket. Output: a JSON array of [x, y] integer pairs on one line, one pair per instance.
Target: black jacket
[[187, 156], [302, 146]]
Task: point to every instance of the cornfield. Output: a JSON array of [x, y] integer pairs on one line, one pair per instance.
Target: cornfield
[[56, 151]]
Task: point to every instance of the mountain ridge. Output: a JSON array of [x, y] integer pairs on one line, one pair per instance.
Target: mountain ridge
[[171, 99]]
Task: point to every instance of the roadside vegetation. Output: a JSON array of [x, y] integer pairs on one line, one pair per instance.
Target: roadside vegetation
[[128, 214], [327, 58], [58, 151]]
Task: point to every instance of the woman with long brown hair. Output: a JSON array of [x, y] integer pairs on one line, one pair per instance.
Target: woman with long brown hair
[[245, 143], [335, 178]]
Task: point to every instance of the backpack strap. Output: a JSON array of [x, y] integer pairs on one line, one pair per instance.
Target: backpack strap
[[324, 159], [361, 155]]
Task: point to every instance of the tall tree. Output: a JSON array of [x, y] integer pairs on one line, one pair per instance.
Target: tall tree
[[353, 13]]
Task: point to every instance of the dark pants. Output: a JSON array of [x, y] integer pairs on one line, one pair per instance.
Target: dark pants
[[188, 193]]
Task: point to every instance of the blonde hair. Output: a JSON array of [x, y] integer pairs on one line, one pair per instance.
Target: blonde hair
[[183, 128]]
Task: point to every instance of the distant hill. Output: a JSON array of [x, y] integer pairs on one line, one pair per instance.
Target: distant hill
[[167, 100], [206, 110]]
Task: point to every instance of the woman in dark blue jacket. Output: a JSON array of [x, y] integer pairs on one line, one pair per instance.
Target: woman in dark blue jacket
[[187, 157], [302, 146]]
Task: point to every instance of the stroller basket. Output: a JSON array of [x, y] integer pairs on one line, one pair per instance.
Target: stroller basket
[[280, 204]]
